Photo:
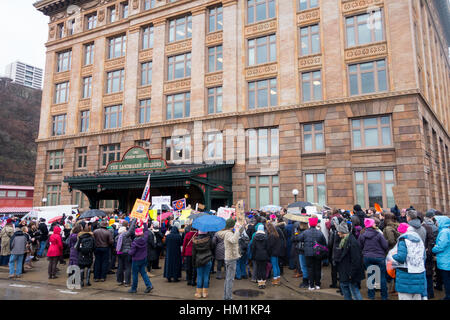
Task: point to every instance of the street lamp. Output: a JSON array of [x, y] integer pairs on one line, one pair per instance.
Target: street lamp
[[44, 201], [295, 193]]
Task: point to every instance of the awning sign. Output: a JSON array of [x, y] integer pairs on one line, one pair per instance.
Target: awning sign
[[136, 159]]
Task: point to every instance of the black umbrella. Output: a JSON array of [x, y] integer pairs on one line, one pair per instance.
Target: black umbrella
[[300, 204], [197, 215], [92, 213]]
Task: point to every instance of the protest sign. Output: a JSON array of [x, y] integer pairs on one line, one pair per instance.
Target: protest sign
[[225, 213], [140, 210], [240, 212], [159, 201]]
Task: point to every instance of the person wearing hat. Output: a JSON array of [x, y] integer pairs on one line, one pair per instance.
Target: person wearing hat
[[103, 241], [172, 263], [123, 246], [5, 236], [159, 243], [414, 221], [138, 253], [260, 254], [85, 247], [349, 264]]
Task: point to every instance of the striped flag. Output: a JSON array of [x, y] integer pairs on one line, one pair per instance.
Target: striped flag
[[146, 193]]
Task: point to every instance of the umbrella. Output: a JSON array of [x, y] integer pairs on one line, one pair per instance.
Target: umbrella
[[197, 215], [93, 213], [294, 217], [54, 219], [271, 208], [209, 223], [164, 215], [300, 204]]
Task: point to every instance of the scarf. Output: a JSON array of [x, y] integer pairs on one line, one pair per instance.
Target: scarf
[[344, 241]]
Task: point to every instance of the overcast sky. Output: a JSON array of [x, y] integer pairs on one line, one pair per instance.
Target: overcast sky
[[23, 33]]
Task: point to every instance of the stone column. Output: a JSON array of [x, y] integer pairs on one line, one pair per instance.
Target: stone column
[[75, 90], [230, 56], [98, 86], [198, 64], [158, 71], [47, 96], [131, 78]]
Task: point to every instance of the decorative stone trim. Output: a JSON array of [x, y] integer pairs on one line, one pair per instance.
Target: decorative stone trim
[[61, 76], [261, 28], [310, 62], [261, 71], [214, 38], [362, 52], [87, 70], [115, 63], [178, 85], [226, 3], [58, 108], [146, 55], [308, 16], [214, 79], [113, 98], [144, 92], [359, 5], [84, 103], [178, 47]]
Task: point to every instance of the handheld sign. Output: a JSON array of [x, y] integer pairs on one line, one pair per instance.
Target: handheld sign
[[240, 212], [179, 205], [140, 210], [377, 207]]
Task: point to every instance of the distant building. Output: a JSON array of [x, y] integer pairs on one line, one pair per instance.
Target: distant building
[[16, 200], [24, 74]]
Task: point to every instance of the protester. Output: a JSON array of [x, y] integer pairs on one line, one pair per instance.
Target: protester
[[241, 266], [85, 247], [172, 264], [73, 258], [402, 217], [442, 251], [5, 235], [18, 244], [414, 221], [55, 250], [103, 241], [374, 247], [202, 256], [333, 246], [123, 246], [219, 255], [187, 256], [159, 244], [260, 254], [359, 213], [390, 232], [274, 247], [430, 240], [35, 235], [152, 253], [349, 263], [138, 253]]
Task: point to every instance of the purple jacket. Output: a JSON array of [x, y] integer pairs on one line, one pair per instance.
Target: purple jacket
[[73, 258], [138, 250], [373, 243]]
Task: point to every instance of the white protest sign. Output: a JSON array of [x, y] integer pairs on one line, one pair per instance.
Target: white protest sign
[[158, 201], [225, 213]]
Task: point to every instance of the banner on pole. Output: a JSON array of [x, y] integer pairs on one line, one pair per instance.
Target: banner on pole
[[146, 193]]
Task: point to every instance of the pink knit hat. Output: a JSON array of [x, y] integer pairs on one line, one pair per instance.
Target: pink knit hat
[[368, 223], [272, 216], [402, 227], [139, 232], [313, 221]]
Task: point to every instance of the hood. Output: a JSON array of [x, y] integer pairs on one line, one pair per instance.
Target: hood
[[357, 207], [411, 236], [371, 233], [140, 242], [56, 230], [18, 233], [82, 233], [259, 236], [443, 222], [415, 223], [174, 230], [391, 223], [201, 240]]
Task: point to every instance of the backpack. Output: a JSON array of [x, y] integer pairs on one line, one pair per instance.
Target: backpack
[[243, 245], [87, 245], [320, 251]]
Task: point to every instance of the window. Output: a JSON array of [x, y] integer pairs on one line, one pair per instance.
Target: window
[[178, 106], [178, 148], [263, 143], [114, 81], [148, 4], [53, 195], [113, 117], [108, 204], [215, 58], [214, 100], [262, 50], [315, 188], [79, 199], [12, 194], [110, 152], [84, 121], [56, 160], [374, 187], [214, 147], [117, 46], [81, 159], [70, 27], [91, 21], [180, 28], [264, 190], [309, 40], [311, 86], [364, 28], [307, 4], [179, 66], [262, 93], [147, 37], [144, 110], [21, 194], [2, 193], [61, 92], [60, 30], [144, 144], [88, 54], [215, 19], [59, 125], [313, 137], [371, 132], [87, 87], [259, 10], [112, 14], [367, 77], [64, 61], [124, 10], [146, 73]]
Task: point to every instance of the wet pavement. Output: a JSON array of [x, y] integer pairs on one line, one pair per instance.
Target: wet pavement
[[35, 285]]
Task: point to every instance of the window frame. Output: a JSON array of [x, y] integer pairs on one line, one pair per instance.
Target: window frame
[[50, 194], [308, 5], [56, 121], [84, 120], [151, 4], [215, 95], [365, 183], [218, 145], [311, 85], [359, 74], [315, 185], [310, 35], [215, 15], [172, 29], [257, 142], [106, 151], [112, 14], [147, 110], [355, 24], [258, 185], [253, 8], [172, 103], [111, 76], [269, 43], [254, 92], [88, 57], [217, 54], [313, 133], [89, 87], [59, 89], [172, 63], [88, 22], [147, 37], [108, 112], [54, 155], [114, 42], [379, 128], [62, 58], [81, 156], [146, 73], [186, 146]]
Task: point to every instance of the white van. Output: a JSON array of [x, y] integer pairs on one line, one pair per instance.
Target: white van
[[50, 212]]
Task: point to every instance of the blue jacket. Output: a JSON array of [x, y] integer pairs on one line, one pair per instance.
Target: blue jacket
[[413, 283], [442, 247]]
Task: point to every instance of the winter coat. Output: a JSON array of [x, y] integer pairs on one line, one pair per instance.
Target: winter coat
[[138, 250], [281, 228], [349, 261], [73, 257], [219, 245], [373, 243], [127, 238], [172, 264], [231, 243], [442, 247], [55, 248], [274, 244], [187, 244], [259, 247], [6, 234], [159, 236], [152, 253], [360, 214], [18, 242], [333, 245], [417, 225], [84, 259], [44, 231], [202, 252], [429, 244], [103, 238], [402, 219], [391, 234], [309, 237], [411, 252], [433, 226]]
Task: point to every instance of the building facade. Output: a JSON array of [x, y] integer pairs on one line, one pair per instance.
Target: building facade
[[24, 74], [343, 100]]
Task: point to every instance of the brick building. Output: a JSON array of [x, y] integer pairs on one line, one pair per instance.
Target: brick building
[[342, 100]]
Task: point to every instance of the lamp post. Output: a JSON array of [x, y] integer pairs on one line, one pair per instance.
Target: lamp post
[[295, 193], [44, 201]]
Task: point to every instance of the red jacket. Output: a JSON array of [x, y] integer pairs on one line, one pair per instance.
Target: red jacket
[[55, 248], [187, 244]]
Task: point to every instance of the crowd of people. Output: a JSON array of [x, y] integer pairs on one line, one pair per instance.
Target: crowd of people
[[411, 250]]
